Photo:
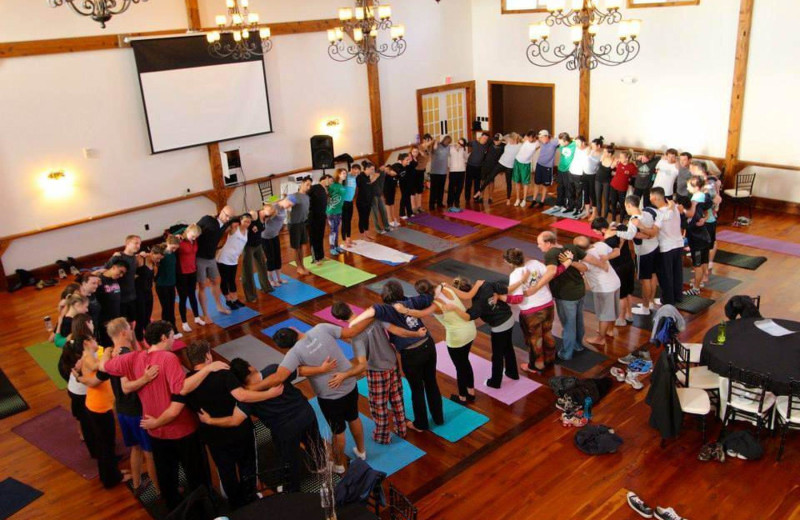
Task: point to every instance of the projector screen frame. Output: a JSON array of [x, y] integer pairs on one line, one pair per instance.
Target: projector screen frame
[[147, 115]]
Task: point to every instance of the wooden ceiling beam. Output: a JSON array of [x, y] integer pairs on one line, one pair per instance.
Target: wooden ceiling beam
[[117, 41]]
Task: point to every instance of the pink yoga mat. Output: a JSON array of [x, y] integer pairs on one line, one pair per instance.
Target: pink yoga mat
[[326, 315], [485, 219], [578, 227], [510, 391]]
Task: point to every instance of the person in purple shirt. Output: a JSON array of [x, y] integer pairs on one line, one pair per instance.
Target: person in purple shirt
[[417, 353], [543, 175]]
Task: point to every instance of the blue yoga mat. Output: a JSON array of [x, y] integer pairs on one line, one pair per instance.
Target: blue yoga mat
[[304, 327], [294, 292], [228, 320], [459, 421], [14, 496], [389, 458]]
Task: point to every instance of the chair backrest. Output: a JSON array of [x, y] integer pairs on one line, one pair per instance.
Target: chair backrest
[[745, 181], [794, 399], [757, 301], [400, 507], [680, 361], [748, 385], [265, 187]]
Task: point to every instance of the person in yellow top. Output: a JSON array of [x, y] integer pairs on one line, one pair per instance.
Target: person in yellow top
[[459, 335], [100, 403]]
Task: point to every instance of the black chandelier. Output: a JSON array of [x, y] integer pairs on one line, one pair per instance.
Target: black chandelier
[[363, 24], [239, 35], [100, 11], [583, 18]]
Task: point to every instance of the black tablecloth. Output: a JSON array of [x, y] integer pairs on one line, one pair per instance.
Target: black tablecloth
[[297, 506], [747, 346]]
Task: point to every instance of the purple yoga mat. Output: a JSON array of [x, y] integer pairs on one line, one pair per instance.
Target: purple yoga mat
[[326, 315], [477, 217], [768, 244], [55, 432], [440, 224], [510, 391]]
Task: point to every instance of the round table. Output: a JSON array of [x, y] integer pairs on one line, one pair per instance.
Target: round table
[[746, 346], [297, 506]]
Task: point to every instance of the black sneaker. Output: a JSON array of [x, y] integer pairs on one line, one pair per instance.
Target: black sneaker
[[638, 505], [231, 304], [667, 514]]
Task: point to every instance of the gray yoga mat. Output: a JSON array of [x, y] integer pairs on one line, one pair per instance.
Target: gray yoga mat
[[715, 282], [252, 350], [408, 289], [739, 260], [423, 240], [529, 249], [694, 304], [452, 268]]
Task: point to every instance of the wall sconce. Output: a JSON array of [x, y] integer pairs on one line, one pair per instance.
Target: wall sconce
[[57, 184], [56, 175], [331, 126]]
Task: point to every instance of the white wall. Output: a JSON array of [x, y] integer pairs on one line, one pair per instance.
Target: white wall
[[499, 44], [771, 106], [683, 74]]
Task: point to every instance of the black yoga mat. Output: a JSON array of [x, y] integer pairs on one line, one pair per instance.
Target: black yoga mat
[[582, 361], [694, 304], [14, 496], [739, 260], [715, 282], [11, 402], [529, 249], [452, 268]]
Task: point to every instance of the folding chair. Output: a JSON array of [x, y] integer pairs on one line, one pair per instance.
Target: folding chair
[[787, 413], [400, 507], [742, 193], [747, 398]]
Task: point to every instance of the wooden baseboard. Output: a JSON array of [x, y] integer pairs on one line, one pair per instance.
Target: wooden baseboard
[[88, 261], [782, 206]]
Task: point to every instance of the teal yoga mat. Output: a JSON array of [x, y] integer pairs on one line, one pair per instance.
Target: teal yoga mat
[[389, 458], [459, 420]]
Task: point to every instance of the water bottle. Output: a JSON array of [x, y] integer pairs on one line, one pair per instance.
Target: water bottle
[[721, 332], [587, 408], [48, 324], [326, 500]]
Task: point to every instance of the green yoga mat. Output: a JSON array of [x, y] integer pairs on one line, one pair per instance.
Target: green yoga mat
[[47, 356], [337, 272]]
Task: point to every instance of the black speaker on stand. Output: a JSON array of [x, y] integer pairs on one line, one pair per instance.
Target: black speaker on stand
[[322, 152]]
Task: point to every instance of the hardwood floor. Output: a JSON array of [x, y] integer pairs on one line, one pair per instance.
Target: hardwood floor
[[522, 464]]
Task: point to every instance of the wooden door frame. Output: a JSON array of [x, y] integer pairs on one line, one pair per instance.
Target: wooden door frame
[[471, 103], [552, 86]]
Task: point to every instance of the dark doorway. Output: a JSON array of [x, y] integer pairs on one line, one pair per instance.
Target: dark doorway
[[519, 107]]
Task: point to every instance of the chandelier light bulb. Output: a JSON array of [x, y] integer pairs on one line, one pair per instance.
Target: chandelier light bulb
[[534, 32], [265, 33], [331, 35], [577, 5], [210, 37], [245, 3], [635, 26], [359, 13], [398, 31], [230, 4], [613, 5], [252, 18], [576, 34], [237, 18], [624, 30], [221, 20], [246, 34], [593, 29], [373, 33], [384, 12], [358, 34], [237, 36], [339, 33], [345, 14]]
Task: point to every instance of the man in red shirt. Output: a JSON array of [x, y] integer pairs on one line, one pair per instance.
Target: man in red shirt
[[177, 442]]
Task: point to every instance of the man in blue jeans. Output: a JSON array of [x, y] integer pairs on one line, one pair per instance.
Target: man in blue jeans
[[565, 265]]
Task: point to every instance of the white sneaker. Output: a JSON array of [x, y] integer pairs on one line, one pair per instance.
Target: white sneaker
[[633, 380], [360, 454], [199, 321], [621, 322], [523, 203], [177, 336], [618, 374], [338, 469], [656, 302], [517, 202], [404, 217], [641, 310], [186, 327], [394, 223]]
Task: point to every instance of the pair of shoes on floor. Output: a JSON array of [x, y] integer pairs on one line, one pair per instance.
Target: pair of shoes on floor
[[567, 404], [712, 451], [574, 419], [633, 356], [637, 504], [627, 376], [234, 304], [692, 291]]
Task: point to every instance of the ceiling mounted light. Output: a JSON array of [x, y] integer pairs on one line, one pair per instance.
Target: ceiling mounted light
[[364, 23], [239, 35], [100, 11]]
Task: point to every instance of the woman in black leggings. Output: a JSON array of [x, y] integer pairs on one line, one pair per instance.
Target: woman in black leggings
[[602, 183], [187, 276], [364, 196]]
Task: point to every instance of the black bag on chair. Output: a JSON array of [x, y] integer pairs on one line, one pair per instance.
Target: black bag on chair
[[741, 306]]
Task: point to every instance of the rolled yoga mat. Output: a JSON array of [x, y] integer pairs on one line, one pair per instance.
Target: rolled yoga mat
[[11, 401], [252, 350], [379, 252], [739, 260], [445, 226], [477, 217]]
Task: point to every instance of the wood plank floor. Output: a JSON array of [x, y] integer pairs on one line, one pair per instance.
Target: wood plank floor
[[520, 465]]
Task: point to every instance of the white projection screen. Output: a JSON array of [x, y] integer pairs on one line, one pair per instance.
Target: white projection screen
[[192, 98]]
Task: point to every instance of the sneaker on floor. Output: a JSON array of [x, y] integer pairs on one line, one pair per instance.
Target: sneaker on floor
[[638, 505], [656, 302], [641, 310], [360, 454], [645, 354], [394, 223], [691, 292], [186, 327], [574, 419], [621, 322], [404, 217], [199, 321], [523, 204], [566, 404], [632, 379], [517, 203], [640, 366], [666, 514], [630, 358], [732, 454], [618, 374]]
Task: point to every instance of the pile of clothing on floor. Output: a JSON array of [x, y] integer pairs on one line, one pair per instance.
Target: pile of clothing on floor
[[575, 397]]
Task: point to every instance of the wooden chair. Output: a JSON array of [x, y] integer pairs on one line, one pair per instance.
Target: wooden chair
[[265, 187], [747, 398], [742, 193], [400, 507], [787, 413], [693, 401], [698, 376]]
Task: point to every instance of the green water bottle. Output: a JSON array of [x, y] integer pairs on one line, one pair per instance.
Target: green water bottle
[[721, 332]]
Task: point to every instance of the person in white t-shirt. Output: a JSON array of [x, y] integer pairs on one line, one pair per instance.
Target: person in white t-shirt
[[228, 259], [605, 285], [578, 166], [667, 172], [521, 175], [667, 228], [646, 249], [533, 307]]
